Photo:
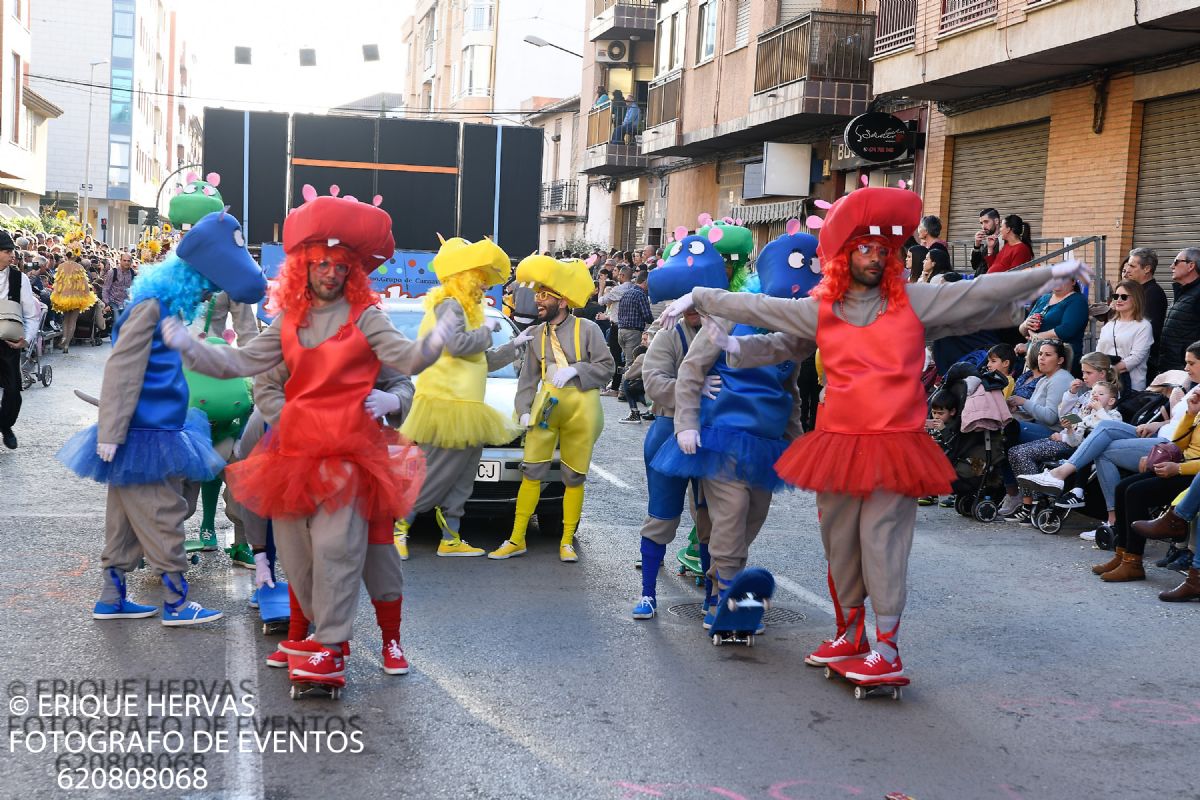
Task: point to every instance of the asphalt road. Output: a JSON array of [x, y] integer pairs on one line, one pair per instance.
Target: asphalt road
[[1031, 678]]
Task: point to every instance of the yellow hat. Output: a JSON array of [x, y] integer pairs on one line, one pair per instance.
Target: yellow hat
[[458, 255], [569, 280]]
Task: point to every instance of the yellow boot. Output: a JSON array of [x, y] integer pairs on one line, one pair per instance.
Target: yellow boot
[[400, 538], [527, 500], [572, 511], [454, 546]]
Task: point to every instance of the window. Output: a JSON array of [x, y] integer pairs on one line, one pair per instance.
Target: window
[[477, 71], [670, 42], [15, 89], [122, 95], [118, 162], [741, 26], [478, 15], [706, 30], [123, 24]]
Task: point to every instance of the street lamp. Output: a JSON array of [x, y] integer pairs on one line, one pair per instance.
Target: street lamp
[[87, 148], [538, 41]]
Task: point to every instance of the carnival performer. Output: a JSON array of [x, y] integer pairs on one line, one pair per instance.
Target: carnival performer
[[558, 395], [731, 442], [147, 441], [450, 418], [71, 295], [680, 272], [869, 458], [326, 470]]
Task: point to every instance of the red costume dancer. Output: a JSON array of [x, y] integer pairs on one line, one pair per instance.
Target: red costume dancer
[[328, 467], [868, 458]]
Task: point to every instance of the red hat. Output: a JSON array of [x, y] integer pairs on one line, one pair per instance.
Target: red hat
[[890, 214], [362, 228]]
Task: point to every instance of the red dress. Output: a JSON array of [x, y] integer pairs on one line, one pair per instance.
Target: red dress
[[327, 451], [870, 432]]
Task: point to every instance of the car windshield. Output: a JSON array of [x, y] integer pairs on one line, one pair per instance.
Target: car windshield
[[408, 321]]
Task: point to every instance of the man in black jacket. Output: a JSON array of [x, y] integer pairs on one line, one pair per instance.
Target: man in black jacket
[[987, 241], [1139, 266], [1182, 325]]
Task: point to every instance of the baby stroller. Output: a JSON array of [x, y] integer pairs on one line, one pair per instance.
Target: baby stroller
[[979, 449], [32, 367]]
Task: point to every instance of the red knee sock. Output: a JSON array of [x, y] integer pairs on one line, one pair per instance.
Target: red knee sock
[[297, 622], [387, 615]]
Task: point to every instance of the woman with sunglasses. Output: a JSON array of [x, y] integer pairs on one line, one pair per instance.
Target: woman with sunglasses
[[1127, 337]]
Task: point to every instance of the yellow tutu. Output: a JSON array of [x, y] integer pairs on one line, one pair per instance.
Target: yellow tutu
[[454, 424], [72, 292]]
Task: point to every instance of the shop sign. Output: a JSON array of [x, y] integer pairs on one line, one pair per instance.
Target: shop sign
[[877, 137], [841, 158]]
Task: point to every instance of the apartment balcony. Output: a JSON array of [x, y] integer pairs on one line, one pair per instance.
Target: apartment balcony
[[559, 198], [972, 55], [613, 141], [623, 19], [810, 72], [662, 115]]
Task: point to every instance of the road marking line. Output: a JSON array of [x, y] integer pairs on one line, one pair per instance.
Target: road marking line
[[244, 769], [805, 594], [608, 476]]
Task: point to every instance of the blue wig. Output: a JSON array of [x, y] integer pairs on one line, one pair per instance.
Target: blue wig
[[175, 284]]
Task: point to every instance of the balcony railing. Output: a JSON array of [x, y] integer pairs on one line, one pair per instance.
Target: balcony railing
[[820, 45], [606, 127], [895, 25], [959, 13], [559, 196], [600, 6], [662, 104]]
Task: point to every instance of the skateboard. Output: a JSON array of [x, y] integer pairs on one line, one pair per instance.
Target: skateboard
[[274, 608], [312, 687], [864, 689], [741, 607], [689, 558]]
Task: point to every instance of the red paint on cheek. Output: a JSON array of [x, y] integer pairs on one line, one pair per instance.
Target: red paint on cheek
[[691, 262]]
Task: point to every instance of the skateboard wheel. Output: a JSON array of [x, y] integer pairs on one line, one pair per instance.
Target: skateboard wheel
[[699, 580], [896, 693], [766, 605], [859, 693], [295, 694], [682, 570], [195, 559], [828, 673], [266, 630], [750, 640], [335, 693], [716, 640], [731, 604]]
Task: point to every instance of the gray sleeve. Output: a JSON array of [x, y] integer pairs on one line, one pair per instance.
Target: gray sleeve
[[661, 367], [795, 426], [223, 362], [989, 301], [269, 393], [702, 354], [531, 373], [463, 342], [401, 385], [1046, 412], [245, 324], [798, 317], [391, 346], [124, 373], [501, 356], [595, 366], [763, 349]]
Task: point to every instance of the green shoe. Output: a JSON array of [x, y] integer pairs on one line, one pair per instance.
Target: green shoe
[[208, 540], [689, 557], [241, 555]]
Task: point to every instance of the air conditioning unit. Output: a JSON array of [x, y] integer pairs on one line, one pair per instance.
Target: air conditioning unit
[[614, 52]]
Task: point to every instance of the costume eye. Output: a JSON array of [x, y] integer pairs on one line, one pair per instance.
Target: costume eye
[[189, 189], [238, 239], [815, 265], [696, 248], [796, 259], [675, 250], [210, 191]]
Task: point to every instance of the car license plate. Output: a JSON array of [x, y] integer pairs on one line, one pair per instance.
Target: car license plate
[[488, 471]]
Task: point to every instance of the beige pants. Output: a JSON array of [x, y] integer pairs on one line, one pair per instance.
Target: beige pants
[[867, 542], [737, 512], [145, 518]]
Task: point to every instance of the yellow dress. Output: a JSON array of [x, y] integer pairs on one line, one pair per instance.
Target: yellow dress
[[72, 292], [448, 408]]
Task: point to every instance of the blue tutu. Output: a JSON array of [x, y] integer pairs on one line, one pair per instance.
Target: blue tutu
[[148, 455], [725, 454]]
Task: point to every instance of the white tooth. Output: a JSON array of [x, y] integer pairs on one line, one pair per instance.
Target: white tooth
[[334, 242], [897, 230], [874, 230]]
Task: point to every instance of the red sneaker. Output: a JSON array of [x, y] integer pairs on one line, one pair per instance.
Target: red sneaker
[[394, 662], [323, 664], [873, 668], [277, 659], [839, 649], [308, 646]]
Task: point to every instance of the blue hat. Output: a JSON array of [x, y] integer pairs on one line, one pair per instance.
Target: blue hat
[[216, 248]]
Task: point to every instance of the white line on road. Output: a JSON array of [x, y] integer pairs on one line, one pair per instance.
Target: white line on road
[[244, 769], [805, 594], [608, 476]]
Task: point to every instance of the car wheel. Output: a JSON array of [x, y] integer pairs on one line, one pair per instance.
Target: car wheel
[[550, 519]]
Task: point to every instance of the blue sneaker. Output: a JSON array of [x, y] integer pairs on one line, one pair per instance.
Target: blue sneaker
[[188, 614], [710, 614], [254, 598], [646, 608], [123, 609]]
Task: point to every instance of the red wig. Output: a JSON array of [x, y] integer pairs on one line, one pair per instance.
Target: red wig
[[835, 278], [291, 294]]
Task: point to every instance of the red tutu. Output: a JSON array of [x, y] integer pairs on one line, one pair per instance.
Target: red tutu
[[903, 462], [381, 480]]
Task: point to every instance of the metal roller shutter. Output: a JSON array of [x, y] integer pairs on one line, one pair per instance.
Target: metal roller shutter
[[1003, 169], [1165, 218]]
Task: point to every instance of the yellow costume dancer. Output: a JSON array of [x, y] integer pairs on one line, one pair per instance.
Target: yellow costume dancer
[[558, 394], [73, 294], [449, 417]]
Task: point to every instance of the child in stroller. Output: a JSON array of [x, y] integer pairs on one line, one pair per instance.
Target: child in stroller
[[978, 451]]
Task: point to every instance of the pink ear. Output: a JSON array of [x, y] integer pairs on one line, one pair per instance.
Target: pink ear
[[738, 222], [715, 234], [377, 200], [793, 227], [214, 179], [823, 204], [704, 219], [178, 190], [591, 259], [865, 180], [815, 222], [727, 220], [334, 190], [192, 177], [230, 335], [680, 233], [351, 198], [309, 193]]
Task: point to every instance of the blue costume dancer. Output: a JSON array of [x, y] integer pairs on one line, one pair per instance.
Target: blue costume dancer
[[731, 441], [147, 441], [692, 261]]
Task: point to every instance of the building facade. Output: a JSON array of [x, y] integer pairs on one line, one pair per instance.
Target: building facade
[[562, 213], [121, 74], [24, 117], [1075, 114]]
